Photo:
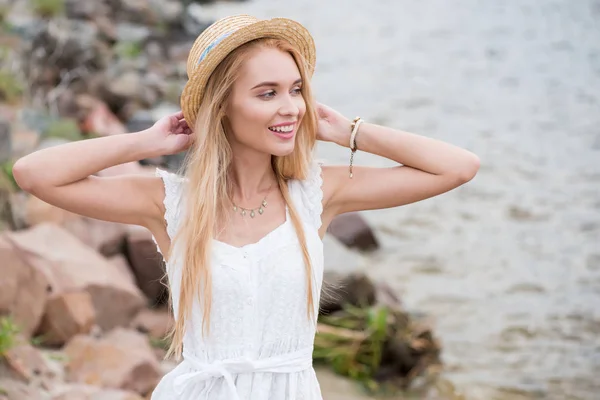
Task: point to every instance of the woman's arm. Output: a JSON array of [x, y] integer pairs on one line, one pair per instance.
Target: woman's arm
[[429, 167], [63, 175]]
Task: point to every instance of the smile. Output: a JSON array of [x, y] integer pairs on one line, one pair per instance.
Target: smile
[[283, 131]]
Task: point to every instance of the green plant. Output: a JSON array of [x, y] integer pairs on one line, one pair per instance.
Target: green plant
[[10, 87], [48, 8], [6, 168], [65, 128], [128, 49], [8, 334]]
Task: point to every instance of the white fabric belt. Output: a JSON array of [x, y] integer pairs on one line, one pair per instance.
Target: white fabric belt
[[296, 361]]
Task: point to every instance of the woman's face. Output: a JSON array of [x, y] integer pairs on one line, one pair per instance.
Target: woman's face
[[266, 104]]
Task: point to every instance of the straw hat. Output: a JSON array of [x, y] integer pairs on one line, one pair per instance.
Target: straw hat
[[225, 35]]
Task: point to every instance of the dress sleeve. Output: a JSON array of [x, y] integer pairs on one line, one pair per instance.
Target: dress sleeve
[[172, 201], [311, 192]]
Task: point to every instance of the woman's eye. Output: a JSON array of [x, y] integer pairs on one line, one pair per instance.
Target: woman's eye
[[297, 90], [268, 94]]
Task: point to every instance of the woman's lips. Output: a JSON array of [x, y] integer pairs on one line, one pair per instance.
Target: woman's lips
[[284, 135]]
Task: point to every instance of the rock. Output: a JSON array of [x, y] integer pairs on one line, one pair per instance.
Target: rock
[[74, 48], [67, 314], [15, 390], [137, 11], [128, 32], [5, 141], [70, 265], [23, 288], [91, 10], [355, 289], [146, 263], [194, 20], [121, 262], [169, 11], [100, 120], [29, 364], [123, 359], [24, 141], [108, 238], [352, 230], [88, 392], [155, 323]]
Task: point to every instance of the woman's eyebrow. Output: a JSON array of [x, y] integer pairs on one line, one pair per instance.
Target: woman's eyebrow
[[274, 84]]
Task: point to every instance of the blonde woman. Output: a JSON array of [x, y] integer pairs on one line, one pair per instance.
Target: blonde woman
[[241, 228]]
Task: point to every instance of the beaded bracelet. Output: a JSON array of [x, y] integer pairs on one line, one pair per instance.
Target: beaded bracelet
[[355, 124]]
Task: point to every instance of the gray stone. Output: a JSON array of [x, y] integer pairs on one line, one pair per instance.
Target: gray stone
[[5, 141]]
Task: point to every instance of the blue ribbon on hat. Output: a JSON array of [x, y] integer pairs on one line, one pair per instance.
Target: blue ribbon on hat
[[212, 46]]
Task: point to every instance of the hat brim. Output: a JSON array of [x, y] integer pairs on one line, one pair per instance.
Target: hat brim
[[279, 28]]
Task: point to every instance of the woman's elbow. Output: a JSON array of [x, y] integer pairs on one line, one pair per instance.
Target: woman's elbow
[[23, 175], [469, 168]]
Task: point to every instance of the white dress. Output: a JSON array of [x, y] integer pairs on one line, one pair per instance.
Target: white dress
[[261, 341]]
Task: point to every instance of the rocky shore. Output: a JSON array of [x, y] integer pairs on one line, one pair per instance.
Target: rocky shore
[[82, 305]]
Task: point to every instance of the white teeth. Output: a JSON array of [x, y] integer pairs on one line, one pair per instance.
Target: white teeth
[[285, 129]]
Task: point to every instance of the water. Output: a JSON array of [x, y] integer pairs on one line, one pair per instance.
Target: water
[[509, 264]]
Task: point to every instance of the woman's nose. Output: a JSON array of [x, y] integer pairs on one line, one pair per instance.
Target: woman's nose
[[289, 106]]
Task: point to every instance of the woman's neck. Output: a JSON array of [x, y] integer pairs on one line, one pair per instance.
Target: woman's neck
[[251, 175]]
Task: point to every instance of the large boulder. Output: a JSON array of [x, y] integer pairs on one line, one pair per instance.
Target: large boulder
[[146, 263], [123, 359], [108, 238], [67, 314], [70, 265], [23, 288]]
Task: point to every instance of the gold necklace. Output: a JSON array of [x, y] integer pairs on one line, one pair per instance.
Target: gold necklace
[[251, 211]]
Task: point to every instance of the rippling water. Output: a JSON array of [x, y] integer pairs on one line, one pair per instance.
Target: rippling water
[[509, 264]]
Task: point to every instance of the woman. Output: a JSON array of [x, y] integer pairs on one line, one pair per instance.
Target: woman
[[241, 230]]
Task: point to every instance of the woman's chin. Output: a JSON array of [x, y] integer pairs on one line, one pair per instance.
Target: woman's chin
[[282, 149]]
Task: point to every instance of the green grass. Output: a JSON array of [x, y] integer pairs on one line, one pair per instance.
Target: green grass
[[6, 169], [128, 50], [11, 88], [160, 343], [65, 128], [8, 334], [48, 8]]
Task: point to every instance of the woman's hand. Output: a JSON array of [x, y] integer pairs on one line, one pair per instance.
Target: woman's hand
[[173, 132], [332, 126]]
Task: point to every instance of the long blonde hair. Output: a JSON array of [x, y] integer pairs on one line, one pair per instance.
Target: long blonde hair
[[206, 167]]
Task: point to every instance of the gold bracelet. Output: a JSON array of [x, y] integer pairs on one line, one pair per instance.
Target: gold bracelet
[[354, 131]]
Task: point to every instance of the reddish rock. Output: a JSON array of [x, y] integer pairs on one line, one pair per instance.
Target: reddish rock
[[146, 263], [70, 265], [121, 360], [67, 314], [100, 120], [352, 230], [23, 288]]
